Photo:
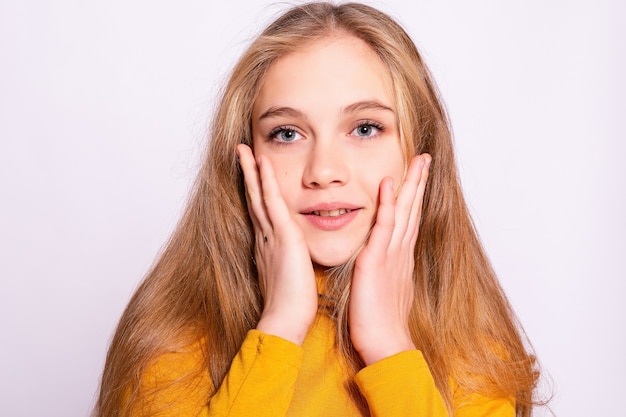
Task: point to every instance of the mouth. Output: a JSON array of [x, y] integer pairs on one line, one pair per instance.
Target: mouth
[[330, 213], [331, 217]]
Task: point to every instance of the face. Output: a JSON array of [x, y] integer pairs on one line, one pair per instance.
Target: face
[[325, 118]]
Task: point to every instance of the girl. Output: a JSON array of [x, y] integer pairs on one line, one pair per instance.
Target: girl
[[326, 264]]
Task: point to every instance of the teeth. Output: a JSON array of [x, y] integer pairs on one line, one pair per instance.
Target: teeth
[[331, 213]]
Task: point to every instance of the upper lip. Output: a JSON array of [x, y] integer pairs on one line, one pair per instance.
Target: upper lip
[[329, 207]]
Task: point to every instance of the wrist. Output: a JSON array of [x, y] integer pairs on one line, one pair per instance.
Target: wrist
[[379, 351], [292, 330]]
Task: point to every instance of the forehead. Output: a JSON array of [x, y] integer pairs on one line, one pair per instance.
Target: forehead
[[338, 69]]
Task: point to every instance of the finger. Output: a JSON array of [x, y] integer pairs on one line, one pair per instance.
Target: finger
[[383, 228], [254, 196], [277, 210], [416, 212], [405, 201]]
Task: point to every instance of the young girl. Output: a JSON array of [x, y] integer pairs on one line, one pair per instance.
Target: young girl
[[326, 264]]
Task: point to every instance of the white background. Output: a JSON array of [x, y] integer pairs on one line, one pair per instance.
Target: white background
[[103, 113]]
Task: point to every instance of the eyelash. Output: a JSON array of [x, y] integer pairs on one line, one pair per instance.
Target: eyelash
[[369, 123], [279, 129]]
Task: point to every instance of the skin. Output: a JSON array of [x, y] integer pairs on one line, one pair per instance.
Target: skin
[[326, 138]]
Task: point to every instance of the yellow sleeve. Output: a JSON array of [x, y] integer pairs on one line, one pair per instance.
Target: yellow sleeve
[[260, 382], [261, 379], [401, 385]]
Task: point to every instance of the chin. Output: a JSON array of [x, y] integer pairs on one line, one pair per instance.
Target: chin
[[331, 256]]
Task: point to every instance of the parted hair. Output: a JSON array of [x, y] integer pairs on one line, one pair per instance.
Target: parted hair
[[204, 284]]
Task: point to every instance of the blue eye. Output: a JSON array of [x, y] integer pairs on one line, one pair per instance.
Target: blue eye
[[367, 130], [287, 135], [284, 134]]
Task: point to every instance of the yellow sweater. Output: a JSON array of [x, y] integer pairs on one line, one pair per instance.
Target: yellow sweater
[[273, 377]]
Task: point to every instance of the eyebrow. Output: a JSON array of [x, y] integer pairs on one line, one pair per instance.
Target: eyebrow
[[282, 111], [366, 105], [354, 107]]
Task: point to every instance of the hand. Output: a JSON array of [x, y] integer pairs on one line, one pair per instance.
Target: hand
[[382, 292], [282, 258]]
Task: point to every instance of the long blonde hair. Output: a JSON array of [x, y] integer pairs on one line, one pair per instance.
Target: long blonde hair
[[204, 284]]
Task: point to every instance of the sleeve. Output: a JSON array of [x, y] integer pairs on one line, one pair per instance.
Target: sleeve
[[401, 385], [260, 382]]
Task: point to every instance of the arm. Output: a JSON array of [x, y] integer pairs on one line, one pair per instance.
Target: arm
[[402, 385], [262, 375], [260, 382], [397, 380], [261, 379]]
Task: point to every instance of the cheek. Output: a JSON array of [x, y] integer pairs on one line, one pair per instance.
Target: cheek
[[397, 169], [286, 175], [393, 168], [370, 183]]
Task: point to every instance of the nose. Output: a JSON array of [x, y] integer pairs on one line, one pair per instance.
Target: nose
[[326, 166]]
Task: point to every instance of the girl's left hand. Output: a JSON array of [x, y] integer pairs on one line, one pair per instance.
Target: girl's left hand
[[382, 292]]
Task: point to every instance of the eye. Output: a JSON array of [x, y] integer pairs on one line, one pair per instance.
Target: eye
[[284, 134], [367, 129]]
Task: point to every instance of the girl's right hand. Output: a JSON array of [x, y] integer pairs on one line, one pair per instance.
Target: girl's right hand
[[282, 258]]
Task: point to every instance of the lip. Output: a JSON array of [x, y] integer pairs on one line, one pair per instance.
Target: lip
[[334, 222]]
